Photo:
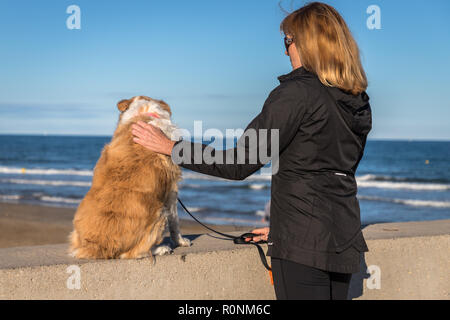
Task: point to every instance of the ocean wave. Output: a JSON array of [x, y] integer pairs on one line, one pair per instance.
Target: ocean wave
[[60, 200], [9, 197], [409, 202], [364, 181], [373, 177], [402, 185], [368, 177], [195, 209], [75, 172], [199, 176], [260, 213], [38, 197], [47, 182], [38, 171], [234, 221], [257, 186]]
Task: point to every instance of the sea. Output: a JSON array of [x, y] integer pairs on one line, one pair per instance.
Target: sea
[[397, 180]]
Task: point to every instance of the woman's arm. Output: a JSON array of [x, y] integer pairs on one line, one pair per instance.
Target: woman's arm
[[283, 111]]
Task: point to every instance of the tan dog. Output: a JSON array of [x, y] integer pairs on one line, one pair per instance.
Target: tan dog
[[133, 194]]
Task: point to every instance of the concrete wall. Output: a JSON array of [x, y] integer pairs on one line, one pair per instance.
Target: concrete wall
[[407, 261]]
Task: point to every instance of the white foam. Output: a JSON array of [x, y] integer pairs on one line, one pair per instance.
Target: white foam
[[234, 221], [58, 199], [364, 181], [38, 171], [47, 182], [260, 213], [256, 186], [199, 176], [410, 202], [402, 185], [9, 196], [366, 177]]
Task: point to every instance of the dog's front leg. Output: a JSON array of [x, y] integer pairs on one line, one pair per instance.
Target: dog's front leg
[[173, 221]]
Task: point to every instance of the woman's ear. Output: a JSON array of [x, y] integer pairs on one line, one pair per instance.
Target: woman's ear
[[123, 105]]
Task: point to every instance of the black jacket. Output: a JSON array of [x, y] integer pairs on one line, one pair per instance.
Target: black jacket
[[315, 215]]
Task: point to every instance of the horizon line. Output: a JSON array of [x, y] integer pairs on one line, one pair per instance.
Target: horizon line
[[110, 136]]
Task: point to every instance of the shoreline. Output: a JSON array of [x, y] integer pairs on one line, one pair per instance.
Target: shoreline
[[33, 225]]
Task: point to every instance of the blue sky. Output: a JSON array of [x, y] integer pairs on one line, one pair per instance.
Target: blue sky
[[214, 61]]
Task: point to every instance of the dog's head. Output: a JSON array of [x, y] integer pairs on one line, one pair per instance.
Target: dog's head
[[143, 106]]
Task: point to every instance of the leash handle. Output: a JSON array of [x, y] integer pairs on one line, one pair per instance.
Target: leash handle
[[242, 237]]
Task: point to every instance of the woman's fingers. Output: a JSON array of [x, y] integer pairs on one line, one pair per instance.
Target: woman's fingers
[[144, 132], [138, 134], [141, 136], [263, 234], [145, 126], [148, 130], [137, 126], [255, 239], [138, 140], [137, 131], [141, 128], [151, 137], [261, 231], [257, 231], [141, 140], [142, 124]]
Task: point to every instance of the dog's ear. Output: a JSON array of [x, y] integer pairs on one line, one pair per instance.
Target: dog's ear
[[123, 105], [165, 106]]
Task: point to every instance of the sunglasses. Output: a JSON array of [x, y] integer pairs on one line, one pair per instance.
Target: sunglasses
[[288, 42]]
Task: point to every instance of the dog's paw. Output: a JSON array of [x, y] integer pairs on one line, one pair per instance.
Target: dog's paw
[[183, 242], [162, 250]]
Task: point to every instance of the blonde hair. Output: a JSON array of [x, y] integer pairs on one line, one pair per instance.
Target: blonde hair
[[326, 46]]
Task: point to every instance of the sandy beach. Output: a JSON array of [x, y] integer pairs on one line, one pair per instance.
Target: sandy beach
[[31, 225]]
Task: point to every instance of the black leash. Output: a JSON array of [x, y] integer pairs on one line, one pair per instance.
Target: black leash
[[237, 240]]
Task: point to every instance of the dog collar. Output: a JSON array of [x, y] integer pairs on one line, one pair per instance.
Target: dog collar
[[152, 114]]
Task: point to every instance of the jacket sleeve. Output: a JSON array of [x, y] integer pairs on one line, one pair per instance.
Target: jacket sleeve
[[281, 116]]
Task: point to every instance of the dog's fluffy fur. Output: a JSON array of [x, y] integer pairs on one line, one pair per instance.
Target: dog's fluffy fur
[[133, 194]]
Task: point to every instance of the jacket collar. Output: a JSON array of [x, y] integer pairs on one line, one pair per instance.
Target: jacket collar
[[293, 74]]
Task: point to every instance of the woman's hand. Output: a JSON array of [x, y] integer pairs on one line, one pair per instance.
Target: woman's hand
[[152, 138], [263, 235]]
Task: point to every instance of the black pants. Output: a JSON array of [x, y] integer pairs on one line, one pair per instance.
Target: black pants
[[295, 281]]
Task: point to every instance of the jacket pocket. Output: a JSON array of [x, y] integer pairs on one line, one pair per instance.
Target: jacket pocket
[[291, 207], [319, 236], [334, 226]]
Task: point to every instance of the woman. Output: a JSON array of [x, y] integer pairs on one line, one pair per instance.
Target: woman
[[323, 116]]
